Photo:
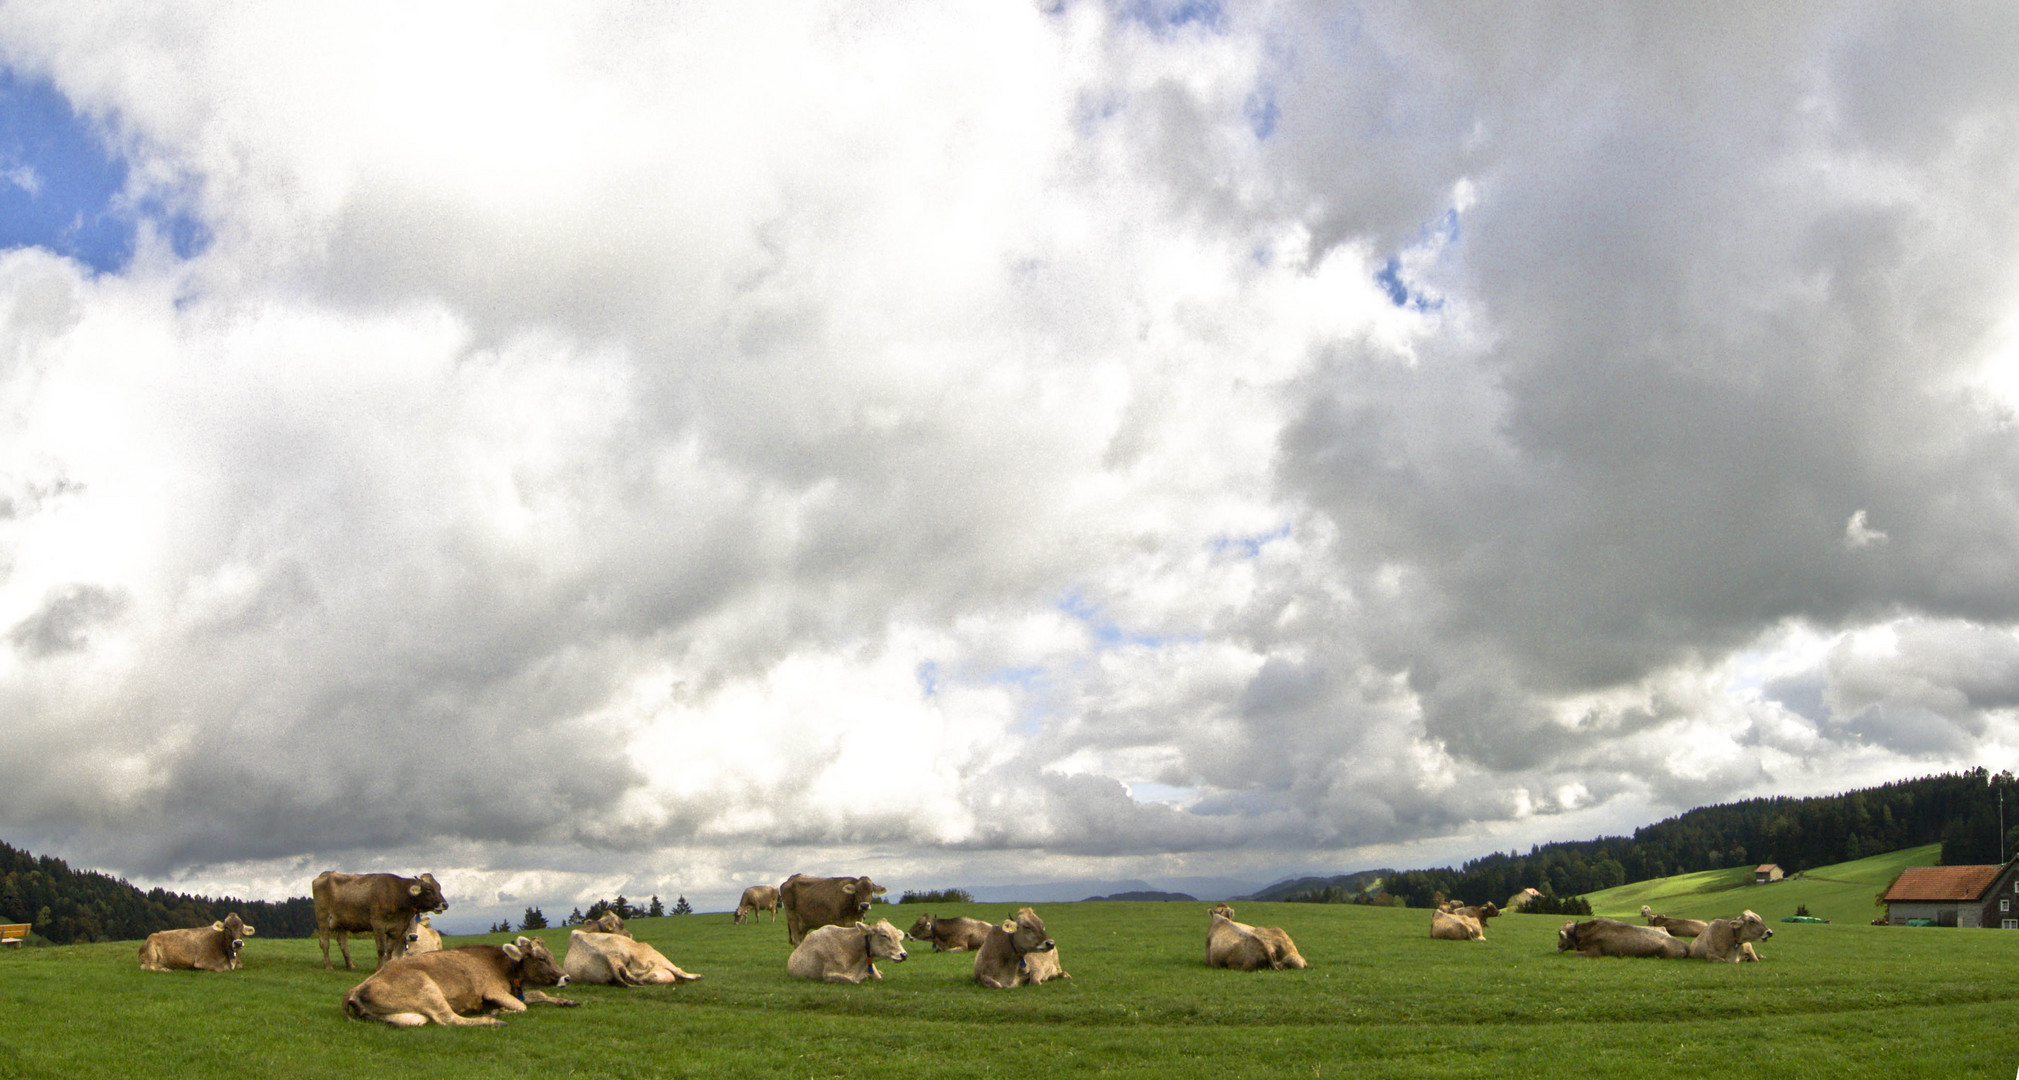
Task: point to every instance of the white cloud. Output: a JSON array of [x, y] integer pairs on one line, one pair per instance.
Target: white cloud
[[668, 449]]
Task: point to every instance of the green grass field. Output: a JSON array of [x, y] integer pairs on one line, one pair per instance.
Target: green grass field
[[1380, 1000], [1843, 893]]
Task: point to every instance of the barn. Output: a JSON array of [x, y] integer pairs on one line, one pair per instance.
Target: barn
[[1766, 872], [1970, 896]]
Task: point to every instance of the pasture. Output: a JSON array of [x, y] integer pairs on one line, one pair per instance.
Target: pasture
[[1379, 1000], [1843, 892]]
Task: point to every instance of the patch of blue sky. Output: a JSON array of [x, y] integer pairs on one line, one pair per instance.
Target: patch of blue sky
[[63, 187], [1162, 15], [1144, 791], [1396, 276], [1262, 112], [1249, 547], [1105, 630]]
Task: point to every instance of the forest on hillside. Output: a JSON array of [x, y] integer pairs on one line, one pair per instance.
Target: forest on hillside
[[1958, 810], [68, 905]]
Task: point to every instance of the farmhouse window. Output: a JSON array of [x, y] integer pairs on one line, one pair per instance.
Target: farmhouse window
[[2008, 924], [2004, 905]]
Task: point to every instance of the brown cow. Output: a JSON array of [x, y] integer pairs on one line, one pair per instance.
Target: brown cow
[[1223, 910], [420, 937], [846, 953], [607, 923], [448, 985], [1675, 926], [957, 934], [1450, 926], [1018, 953], [379, 904], [617, 960], [811, 903], [755, 899], [202, 948], [1728, 940], [1610, 937], [1235, 945]]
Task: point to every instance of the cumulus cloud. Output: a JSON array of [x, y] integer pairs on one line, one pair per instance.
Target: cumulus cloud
[[664, 450]]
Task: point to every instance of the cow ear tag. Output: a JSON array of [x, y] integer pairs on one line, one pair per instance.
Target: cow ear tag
[[413, 890], [217, 926]]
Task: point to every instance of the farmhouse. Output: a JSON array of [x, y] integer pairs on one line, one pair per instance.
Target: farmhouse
[[1955, 896], [1766, 872]]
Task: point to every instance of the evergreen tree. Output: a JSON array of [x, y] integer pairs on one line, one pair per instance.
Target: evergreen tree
[[681, 907], [575, 918], [657, 909], [623, 908], [533, 919]]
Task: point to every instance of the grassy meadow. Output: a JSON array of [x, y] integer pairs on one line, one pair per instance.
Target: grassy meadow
[[1843, 893], [1380, 1000]]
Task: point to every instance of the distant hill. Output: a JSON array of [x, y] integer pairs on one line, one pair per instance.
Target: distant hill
[[1143, 895], [84, 905], [1338, 885], [1841, 892]]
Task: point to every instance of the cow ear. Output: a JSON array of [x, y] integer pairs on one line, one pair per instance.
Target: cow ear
[[429, 878], [249, 931], [849, 888], [1009, 927], [217, 926], [514, 951], [880, 890], [413, 890]]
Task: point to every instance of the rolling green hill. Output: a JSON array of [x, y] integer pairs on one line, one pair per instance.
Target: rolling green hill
[[1841, 892]]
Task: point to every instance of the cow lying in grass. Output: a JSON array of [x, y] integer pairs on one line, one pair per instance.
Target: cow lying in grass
[[1446, 926], [447, 986], [1610, 937], [846, 953], [957, 934], [1018, 953], [202, 948], [1731, 940], [1236, 945], [618, 960], [1675, 926]]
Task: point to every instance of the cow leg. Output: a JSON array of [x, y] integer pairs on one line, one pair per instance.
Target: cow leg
[[322, 938], [535, 997], [343, 945]]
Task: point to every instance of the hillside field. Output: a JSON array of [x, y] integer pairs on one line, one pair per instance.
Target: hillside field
[[1380, 1000], [1842, 893]]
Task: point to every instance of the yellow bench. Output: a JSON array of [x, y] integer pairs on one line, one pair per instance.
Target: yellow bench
[[14, 933]]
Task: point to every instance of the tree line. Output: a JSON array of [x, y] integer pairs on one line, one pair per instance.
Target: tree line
[[1960, 811], [68, 905]]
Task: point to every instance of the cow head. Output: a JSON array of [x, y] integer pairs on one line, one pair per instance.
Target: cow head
[[1027, 933], [607, 923], [533, 964], [235, 932], [1750, 927], [1488, 910], [922, 929], [423, 894], [414, 927], [1566, 938], [883, 942], [865, 893], [1223, 911]]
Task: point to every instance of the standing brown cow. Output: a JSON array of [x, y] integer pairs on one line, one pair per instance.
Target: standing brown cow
[[755, 899], [378, 904], [811, 903], [203, 948]]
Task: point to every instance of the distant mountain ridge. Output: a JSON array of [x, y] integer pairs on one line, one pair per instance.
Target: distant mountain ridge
[[1339, 884], [1150, 894]]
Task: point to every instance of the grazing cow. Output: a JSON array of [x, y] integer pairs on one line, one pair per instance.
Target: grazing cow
[[1675, 926], [420, 937], [617, 960], [203, 948], [378, 904], [811, 903], [846, 953], [1222, 910], [957, 934], [607, 923], [1610, 937], [1230, 944], [755, 899], [447, 986], [1728, 940], [1448, 926], [1018, 953]]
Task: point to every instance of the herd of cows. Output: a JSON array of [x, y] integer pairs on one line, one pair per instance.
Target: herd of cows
[[418, 982]]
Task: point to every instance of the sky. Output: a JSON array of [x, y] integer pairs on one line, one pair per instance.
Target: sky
[[652, 448]]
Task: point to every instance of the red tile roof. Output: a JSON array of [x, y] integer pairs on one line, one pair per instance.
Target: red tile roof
[[1941, 883], [1764, 867]]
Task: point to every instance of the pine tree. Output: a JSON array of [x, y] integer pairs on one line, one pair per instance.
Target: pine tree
[[575, 918], [532, 920], [681, 907], [657, 909], [623, 908]]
